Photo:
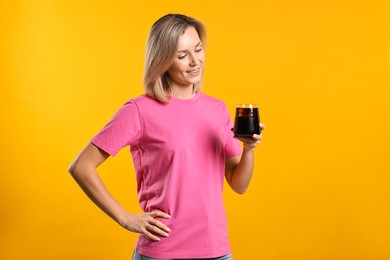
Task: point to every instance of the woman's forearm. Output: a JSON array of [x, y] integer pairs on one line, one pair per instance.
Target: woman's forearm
[[242, 173], [239, 171], [92, 185]]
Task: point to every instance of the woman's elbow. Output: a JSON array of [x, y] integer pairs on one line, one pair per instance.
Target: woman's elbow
[[74, 169], [71, 169], [240, 191]]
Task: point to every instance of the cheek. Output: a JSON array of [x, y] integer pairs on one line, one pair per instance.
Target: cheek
[[177, 68], [173, 70], [201, 56]]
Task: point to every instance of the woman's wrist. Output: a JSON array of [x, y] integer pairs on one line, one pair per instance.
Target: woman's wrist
[[248, 148], [121, 217]]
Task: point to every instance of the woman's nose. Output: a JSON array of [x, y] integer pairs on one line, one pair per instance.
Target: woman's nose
[[194, 60]]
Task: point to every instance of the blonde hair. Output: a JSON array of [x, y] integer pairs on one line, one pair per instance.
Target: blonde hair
[[161, 49]]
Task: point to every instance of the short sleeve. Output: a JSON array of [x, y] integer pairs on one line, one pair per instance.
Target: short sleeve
[[233, 146], [123, 129]]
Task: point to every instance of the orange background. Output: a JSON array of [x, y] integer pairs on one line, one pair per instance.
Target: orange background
[[319, 70]]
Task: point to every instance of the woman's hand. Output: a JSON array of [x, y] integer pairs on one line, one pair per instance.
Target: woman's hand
[[147, 224], [251, 143]]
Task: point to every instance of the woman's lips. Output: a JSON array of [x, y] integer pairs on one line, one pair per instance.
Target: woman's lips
[[194, 72]]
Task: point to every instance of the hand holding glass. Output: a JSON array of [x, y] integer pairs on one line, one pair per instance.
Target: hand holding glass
[[246, 122]]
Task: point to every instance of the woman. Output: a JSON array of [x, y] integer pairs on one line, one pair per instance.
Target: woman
[[182, 147]]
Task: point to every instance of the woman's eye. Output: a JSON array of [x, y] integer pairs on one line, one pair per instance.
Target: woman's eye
[[181, 57], [199, 50]]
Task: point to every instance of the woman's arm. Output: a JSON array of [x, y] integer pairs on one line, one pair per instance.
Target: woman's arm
[[84, 170], [239, 169]]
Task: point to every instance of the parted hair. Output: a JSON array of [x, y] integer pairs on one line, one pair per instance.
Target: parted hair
[[161, 48]]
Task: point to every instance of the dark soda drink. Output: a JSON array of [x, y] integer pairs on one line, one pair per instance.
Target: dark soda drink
[[246, 122]]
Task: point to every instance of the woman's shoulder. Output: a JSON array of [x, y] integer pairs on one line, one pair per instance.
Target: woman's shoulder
[[212, 100], [142, 100]]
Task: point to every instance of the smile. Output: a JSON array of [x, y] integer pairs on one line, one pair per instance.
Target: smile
[[194, 72]]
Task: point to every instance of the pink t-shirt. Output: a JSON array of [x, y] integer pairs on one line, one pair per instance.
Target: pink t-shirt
[[179, 151]]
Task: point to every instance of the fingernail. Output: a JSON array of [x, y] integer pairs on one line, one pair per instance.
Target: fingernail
[[168, 229]]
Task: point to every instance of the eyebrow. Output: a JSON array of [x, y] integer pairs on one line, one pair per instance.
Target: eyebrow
[[197, 45]]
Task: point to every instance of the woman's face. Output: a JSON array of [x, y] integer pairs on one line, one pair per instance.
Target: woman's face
[[187, 67]]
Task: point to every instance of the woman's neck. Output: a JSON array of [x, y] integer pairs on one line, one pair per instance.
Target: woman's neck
[[183, 92]]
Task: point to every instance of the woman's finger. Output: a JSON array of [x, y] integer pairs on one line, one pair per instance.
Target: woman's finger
[[158, 213], [161, 225], [262, 126], [150, 235], [156, 230], [154, 222]]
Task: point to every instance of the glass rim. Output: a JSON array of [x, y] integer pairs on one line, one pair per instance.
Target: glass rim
[[247, 105]]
